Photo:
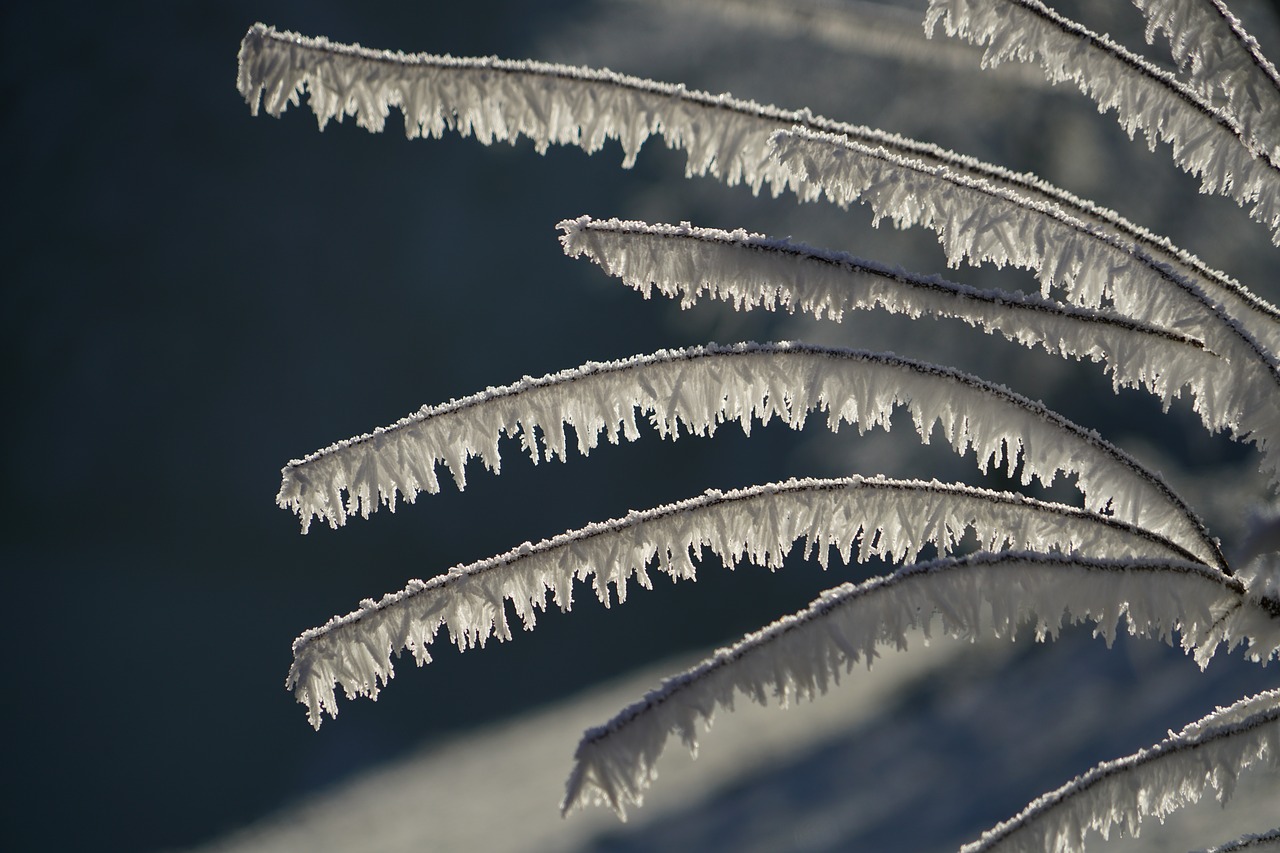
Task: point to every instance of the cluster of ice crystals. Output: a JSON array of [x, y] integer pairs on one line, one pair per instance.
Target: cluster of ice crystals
[[857, 518], [800, 656], [1224, 64], [978, 222], [1118, 795], [750, 270], [497, 100], [1262, 575], [500, 100], [1205, 143], [702, 387]]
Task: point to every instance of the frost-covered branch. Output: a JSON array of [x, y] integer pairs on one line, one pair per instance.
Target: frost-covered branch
[[1224, 63], [728, 138], [1150, 783], [1205, 143], [858, 518], [800, 656], [864, 28], [749, 270], [1136, 554], [499, 100], [1266, 842], [702, 387], [980, 222]]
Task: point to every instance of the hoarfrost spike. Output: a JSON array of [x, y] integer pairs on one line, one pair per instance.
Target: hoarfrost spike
[[501, 100], [1205, 143], [982, 223], [800, 656], [1225, 64], [749, 270], [1154, 782], [702, 387], [860, 519]]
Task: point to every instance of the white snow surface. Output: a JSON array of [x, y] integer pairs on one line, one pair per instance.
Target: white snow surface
[[494, 789]]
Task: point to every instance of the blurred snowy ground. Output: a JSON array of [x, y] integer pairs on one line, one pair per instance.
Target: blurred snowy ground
[[443, 797], [916, 754]]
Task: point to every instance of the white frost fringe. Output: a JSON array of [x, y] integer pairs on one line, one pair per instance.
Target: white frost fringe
[[1205, 142], [1266, 842], [983, 223], [499, 100], [728, 138], [700, 388], [800, 656], [857, 518], [1118, 795], [1224, 63], [749, 270]]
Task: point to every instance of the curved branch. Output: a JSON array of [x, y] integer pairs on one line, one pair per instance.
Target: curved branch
[[1224, 62], [858, 518], [800, 656], [749, 270], [728, 138], [1150, 783], [702, 387], [1266, 842], [1205, 143], [981, 222]]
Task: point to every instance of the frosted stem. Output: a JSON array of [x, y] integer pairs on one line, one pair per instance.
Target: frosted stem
[[982, 223], [860, 519], [1225, 65], [728, 138], [702, 387], [1266, 842], [750, 270], [1150, 783], [1205, 142], [800, 656]]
